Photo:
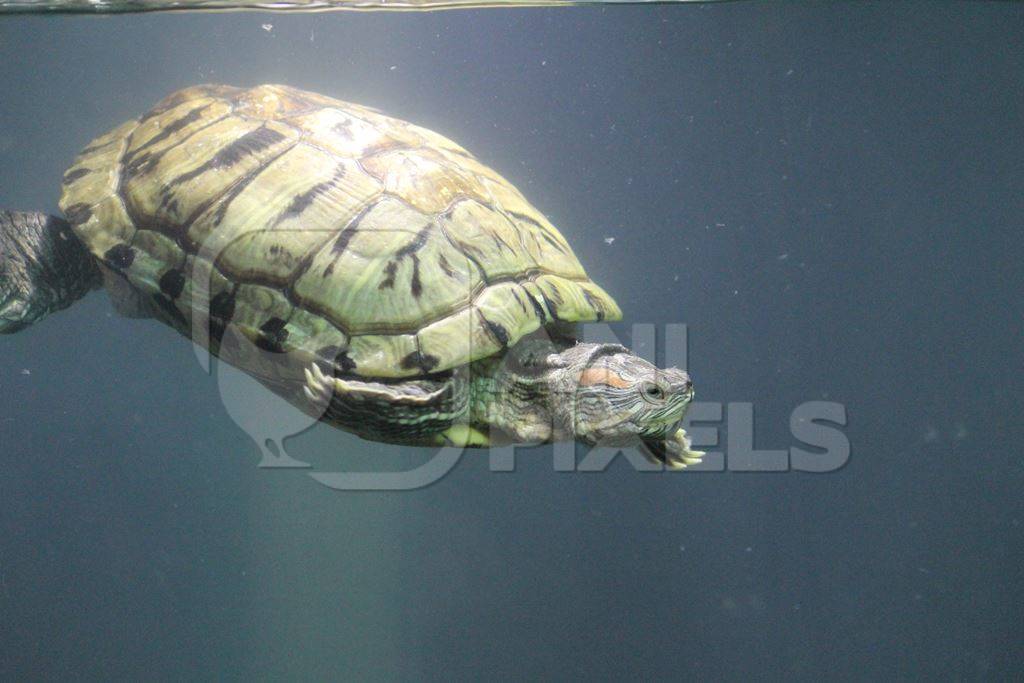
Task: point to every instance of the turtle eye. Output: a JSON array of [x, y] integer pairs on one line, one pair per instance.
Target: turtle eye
[[653, 392]]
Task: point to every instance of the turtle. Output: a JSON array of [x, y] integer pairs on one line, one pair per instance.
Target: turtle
[[371, 271]]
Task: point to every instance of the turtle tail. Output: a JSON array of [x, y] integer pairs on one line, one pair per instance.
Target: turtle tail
[[44, 267]]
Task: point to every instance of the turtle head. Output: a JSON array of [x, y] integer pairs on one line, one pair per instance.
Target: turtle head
[[610, 396]]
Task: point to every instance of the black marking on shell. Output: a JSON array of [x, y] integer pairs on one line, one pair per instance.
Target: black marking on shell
[[169, 204], [343, 128], [421, 361], [595, 303], [471, 251], [519, 299], [475, 260], [341, 244], [417, 242], [554, 294], [389, 276], [168, 200], [232, 194], [542, 229], [179, 229], [500, 243], [222, 306], [273, 335], [119, 257], [176, 317], [173, 127], [137, 164], [410, 249], [339, 247], [445, 266], [415, 286], [346, 235], [173, 100], [222, 309], [143, 163], [552, 241], [552, 307], [303, 200], [253, 142], [96, 147], [74, 174], [344, 363], [78, 213], [497, 330], [538, 309], [172, 283], [349, 230]]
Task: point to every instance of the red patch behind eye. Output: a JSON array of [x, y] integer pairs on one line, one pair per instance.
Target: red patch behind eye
[[592, 376]]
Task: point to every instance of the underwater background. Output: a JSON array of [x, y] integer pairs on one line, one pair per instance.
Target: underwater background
[[829, 196]]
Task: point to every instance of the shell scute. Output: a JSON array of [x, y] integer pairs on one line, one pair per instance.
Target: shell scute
[[273, 221], [423, 179], [261, 314], [507, 313], [315, 335], [275, 102], [377, 279], [394, 355], [160, 132], [347, 134], [456, 337], [102, 226], [489, 238], [155, 256], [190, 175]]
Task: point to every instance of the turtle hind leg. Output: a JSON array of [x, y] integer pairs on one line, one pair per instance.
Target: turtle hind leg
[[44, 267]]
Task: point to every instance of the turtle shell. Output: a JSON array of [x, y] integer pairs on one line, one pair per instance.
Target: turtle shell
[[323, 228]]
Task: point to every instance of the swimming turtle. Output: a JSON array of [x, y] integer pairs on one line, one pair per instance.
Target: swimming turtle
[[371, 271]]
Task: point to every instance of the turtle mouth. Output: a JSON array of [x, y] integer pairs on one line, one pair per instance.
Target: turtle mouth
[[654, 445]]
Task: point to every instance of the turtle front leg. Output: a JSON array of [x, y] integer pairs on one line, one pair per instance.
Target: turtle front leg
[[674, 452], [421, 412]]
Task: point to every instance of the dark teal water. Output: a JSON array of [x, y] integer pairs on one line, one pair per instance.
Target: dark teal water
[[828, 196]]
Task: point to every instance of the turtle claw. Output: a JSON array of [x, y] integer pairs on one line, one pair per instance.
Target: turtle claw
[[675, 452], [14, 314], [319, 387], [682, 451]]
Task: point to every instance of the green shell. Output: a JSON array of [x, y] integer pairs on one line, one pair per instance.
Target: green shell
[[323, 228]]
